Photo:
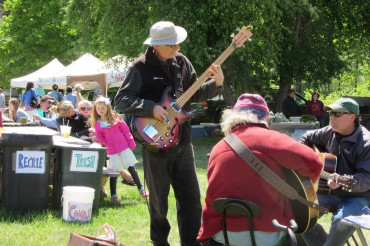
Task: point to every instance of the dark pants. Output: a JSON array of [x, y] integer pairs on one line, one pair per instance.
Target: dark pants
[[113, 185], [175, 168]]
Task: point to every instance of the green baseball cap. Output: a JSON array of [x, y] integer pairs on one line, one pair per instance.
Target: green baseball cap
[[344, 104]]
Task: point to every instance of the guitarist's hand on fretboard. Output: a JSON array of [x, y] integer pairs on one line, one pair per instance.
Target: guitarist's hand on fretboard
[[332, 181], [345, 181], [329, 178], [216, 74]]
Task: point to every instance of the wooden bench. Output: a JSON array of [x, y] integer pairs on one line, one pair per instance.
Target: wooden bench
[[110, 173]]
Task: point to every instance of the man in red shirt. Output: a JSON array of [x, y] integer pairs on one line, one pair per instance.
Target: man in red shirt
[[230, 177]]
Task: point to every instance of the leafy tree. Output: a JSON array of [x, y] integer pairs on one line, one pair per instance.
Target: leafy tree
[[305, 43], [120, 27], [355, 82], [294, 42], [109, 27], [32, 35]]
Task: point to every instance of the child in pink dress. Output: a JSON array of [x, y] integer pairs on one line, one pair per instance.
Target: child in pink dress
[[113, 132]]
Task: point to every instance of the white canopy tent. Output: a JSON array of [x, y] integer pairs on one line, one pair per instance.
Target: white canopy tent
[[90, 72], [85, 65], [52, 67]]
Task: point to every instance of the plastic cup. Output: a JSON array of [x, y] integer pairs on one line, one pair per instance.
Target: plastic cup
[[65, 131], [24, 120]]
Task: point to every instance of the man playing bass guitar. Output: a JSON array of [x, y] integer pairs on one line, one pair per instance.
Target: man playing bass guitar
[[350, 142], [161, 67]]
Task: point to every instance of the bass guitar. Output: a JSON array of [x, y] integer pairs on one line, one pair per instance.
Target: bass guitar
[[329, 166], [163, 135]]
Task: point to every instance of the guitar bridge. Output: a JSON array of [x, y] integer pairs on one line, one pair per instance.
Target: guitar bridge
[[151, 132]]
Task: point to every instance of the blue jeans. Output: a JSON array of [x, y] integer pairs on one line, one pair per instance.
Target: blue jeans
[[339, 233]]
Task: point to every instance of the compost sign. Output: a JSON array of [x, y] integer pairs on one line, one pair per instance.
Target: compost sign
[[84, 161], [30, 162]]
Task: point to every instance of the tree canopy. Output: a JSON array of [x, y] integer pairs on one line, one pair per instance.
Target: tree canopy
[[32, 35], [306, 44]]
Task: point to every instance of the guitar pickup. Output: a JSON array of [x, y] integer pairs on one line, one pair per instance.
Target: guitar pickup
[[151, 132], [176, 107]]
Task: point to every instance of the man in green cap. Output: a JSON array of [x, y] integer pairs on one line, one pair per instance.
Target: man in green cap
[[350, 143]]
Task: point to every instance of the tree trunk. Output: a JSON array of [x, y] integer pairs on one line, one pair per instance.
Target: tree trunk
[[283, 89], [298, 84], [228, 95]]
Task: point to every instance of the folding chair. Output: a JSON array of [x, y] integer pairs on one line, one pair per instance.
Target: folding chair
[[237, 207]]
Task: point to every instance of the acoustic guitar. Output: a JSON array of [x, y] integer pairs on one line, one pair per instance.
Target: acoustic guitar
[[306, 217], [329, 166], [163, 135]]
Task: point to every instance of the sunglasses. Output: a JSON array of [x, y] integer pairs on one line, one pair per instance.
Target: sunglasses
[[338, 114], [86, 108]]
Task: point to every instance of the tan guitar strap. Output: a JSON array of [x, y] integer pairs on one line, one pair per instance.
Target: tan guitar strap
[[266, 173]]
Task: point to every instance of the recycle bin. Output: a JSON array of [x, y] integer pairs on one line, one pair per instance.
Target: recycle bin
[[25, 171], [77, 165]]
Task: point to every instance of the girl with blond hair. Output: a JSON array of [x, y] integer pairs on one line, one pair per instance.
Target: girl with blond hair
[[85, 108], [113, 132]]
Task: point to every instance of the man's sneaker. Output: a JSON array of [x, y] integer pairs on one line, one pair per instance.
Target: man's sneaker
[[143, 192], [114, 198]]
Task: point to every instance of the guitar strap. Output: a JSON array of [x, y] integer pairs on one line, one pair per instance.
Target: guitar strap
[[266, 173]]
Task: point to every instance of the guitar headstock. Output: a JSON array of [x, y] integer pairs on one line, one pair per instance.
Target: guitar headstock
[[347, 182], [243, 35]]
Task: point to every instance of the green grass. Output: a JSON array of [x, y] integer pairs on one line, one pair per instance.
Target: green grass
[[130, 219]]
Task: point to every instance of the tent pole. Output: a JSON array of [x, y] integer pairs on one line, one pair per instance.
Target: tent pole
[[106, 85]]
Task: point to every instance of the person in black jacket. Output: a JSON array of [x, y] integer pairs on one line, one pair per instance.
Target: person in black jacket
[[290, 106], [68, 115], [350, 143], [160, 67]]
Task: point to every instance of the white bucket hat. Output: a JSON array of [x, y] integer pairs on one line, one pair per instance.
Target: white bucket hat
[[165, 32]]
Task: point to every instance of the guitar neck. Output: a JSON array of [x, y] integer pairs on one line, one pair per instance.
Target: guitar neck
[[181, 101], [325, 175]]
